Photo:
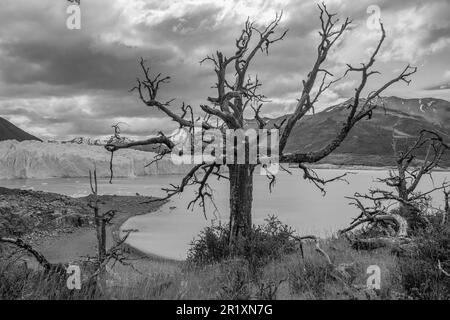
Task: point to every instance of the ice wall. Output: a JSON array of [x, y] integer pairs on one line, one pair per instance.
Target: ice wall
[[34, 159]]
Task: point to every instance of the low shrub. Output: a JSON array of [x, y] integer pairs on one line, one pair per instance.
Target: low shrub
[[420, 275], [266, 242]]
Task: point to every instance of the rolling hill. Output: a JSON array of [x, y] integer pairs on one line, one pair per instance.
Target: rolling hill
[[8, 131], [371, 141]]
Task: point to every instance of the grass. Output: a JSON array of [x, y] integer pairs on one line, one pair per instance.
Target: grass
[[288, 277], [272, 268]]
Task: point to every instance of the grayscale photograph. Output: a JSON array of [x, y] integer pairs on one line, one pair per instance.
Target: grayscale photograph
[[224, 154]]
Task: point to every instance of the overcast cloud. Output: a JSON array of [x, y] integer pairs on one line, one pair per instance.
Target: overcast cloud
[[60, 83]]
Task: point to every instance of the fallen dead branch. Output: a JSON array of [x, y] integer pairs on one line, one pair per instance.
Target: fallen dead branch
[[442, 269], [40, 258], [397, 244], [339, 272], [318, 248], [446, 211], [384, 228]]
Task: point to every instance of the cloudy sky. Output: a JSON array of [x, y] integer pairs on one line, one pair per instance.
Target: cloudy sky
[[59, 83]]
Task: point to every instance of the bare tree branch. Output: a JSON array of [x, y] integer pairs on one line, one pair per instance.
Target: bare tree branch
[[404, 182], [39, 256], [359, 109]]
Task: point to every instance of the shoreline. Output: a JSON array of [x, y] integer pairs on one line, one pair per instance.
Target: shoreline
[[316, 166], [65, 241], [127, 207], [134, 252]]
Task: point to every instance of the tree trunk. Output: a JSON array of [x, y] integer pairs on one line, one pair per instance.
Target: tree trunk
[[101, 250], [241, 196], [446, 212], [101, 235]]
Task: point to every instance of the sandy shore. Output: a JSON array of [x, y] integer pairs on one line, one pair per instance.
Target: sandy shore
[[68, 247]]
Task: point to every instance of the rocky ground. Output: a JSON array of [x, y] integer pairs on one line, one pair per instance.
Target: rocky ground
[[34, 215]]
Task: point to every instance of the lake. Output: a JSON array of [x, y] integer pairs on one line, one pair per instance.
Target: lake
[[295, 201]]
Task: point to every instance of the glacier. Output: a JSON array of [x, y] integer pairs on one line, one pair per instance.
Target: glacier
[[41, 160]]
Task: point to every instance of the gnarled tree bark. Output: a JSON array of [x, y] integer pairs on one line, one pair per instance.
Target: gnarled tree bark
[[241, 197]]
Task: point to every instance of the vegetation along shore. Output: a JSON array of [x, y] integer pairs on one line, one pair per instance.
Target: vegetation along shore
[[275, 265]]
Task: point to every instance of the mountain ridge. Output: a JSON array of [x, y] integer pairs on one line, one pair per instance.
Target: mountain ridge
[[9, 131], [371, 142]]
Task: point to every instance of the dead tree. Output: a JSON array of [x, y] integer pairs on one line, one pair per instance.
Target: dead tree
[[117, 252], [409, 175], [403, 183], [101, 220], [446, 212], [237, 91]]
